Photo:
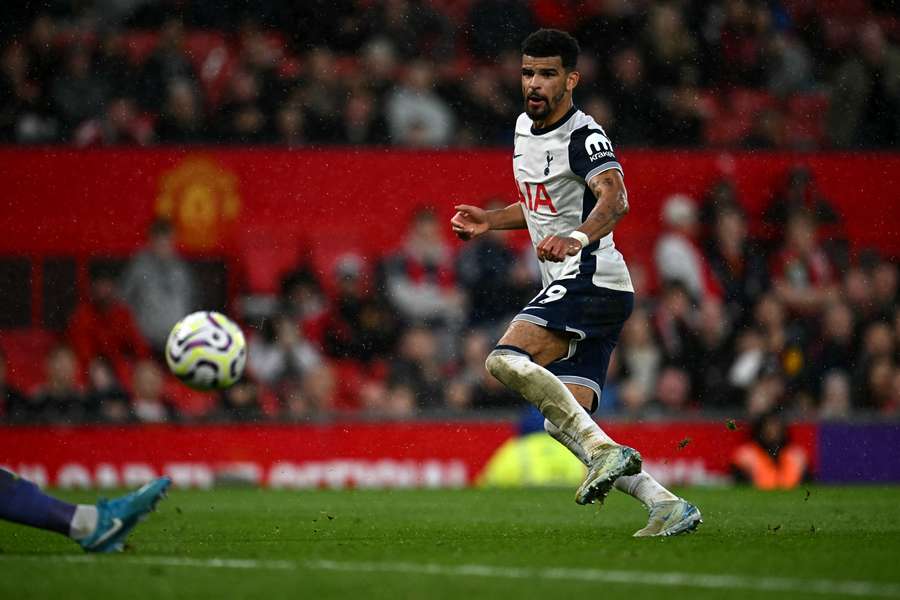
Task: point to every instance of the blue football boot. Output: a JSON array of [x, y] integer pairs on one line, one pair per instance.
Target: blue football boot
[[116, 518]]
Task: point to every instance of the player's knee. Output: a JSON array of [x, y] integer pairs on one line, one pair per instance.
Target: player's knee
[[508, 364], [494, 363]]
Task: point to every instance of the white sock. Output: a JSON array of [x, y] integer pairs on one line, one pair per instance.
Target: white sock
[[84, 522], [550, 395], [641, 486], [566, 441]]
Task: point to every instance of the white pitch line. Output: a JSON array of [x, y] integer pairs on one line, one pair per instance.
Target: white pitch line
[[661, 579]]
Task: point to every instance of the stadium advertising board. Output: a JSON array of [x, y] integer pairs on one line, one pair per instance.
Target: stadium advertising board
[[379, 455]]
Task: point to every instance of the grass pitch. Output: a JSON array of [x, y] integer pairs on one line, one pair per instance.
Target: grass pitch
[[816, 542]]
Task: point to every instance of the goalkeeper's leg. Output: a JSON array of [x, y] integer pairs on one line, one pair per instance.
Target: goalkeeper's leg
[[100, 527]]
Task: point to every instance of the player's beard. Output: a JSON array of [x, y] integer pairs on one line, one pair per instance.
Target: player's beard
[[547, 107]]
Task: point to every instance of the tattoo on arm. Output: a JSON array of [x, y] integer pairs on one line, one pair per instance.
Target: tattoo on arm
[[612, 204]]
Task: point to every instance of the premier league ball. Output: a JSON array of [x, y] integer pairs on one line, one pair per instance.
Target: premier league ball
[[206, 350]]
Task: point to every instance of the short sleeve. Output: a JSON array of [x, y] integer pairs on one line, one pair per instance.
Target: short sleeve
[[591, 152]]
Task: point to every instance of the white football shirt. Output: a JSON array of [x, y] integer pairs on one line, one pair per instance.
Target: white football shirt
[[552, 167]]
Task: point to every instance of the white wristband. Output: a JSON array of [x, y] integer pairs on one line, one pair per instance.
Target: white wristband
[[581, 237]]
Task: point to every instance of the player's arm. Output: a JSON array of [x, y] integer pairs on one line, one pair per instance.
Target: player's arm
[[612, 204], [470, 221]]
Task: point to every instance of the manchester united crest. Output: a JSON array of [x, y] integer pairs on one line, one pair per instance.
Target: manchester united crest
[[201, 199]]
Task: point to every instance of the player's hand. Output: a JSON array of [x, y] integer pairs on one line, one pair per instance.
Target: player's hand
[[556, 248], [469, 222]]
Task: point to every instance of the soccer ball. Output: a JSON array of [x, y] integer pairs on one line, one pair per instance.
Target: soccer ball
[[206, 350]]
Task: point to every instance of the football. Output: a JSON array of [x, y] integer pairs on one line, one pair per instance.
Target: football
[[206, 350]]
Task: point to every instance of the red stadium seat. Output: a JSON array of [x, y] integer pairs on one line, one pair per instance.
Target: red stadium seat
[[262, 258], [348, 376], [26, 351], [806, 118]]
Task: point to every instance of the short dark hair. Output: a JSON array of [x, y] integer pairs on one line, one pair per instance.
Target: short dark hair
[[544, 43]]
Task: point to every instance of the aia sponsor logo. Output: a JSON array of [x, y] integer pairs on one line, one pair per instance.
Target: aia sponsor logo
[[535, 196]]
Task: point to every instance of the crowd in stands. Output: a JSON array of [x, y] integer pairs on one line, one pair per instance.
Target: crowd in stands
[[762, 74], [788, 320]]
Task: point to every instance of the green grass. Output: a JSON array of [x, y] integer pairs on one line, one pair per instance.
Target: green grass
[[840, 534]]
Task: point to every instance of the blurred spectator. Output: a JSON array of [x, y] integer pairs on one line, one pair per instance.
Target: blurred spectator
[[473, 387], [835, 403], [78, 94], [280, 352], [741, 43], [303, 300], [149, 405], [59, 398], [416, 115], [379, 68], [323, 96], [241, 402], [639, 355], [634, 401], [674, 318], [241, 118], [676, 253], [360, 326], [486, 115], [25, 111], [783, 339], [10, 397], [497, 25], [415, 29], [103, 327], [885, 290], [799, 193], [609, 24], [290, 124], [865, 101], [362, 123], [311, 396], [673, 390], [708, 359], [836, 349], [114, 67], [737, 264], [801, 274], [788, 65], [319, 388], [43, 50], [765, 395], [598, 107], [416, 366], [158, 286], [874, 369], [419, 278], [119, 124], [749, 359], [488, 273], [721, 195], [769, 131], [635, 106], [181, 121], [670, 47], [682, 115], [168, 64], [105, 394], [770, 460]]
